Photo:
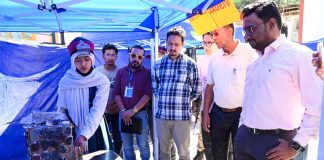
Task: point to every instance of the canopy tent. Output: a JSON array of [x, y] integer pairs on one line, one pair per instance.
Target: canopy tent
[[123, 40], [313, 44], [95, 15], [143, 18]]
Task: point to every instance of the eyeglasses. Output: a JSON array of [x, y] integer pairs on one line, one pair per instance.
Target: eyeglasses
[[207, 43], [139, 57], [251, 29]]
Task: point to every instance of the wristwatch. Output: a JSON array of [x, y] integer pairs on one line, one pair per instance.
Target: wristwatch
[[135, 110], [295, 146]]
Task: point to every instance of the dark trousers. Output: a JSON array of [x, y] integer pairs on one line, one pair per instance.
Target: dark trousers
[[113, 123], [222, 125], [96, 142], [207, 143], [249, 146]]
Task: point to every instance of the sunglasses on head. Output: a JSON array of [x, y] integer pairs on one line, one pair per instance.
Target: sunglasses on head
[[139, 57]]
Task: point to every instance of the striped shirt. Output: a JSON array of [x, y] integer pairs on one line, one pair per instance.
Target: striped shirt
[[175, 83]]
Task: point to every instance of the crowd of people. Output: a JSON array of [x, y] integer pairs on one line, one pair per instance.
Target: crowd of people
[[258, 96]]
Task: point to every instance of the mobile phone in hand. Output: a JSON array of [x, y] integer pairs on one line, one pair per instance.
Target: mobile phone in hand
[[320, 49]]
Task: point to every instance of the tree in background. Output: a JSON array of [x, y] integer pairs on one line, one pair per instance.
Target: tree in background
[[241, 3]]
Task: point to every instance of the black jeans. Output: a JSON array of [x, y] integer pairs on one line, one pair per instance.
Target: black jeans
[[113, 122], [222, 125], [207, 143]]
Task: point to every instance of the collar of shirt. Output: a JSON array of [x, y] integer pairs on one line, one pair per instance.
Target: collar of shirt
[[235, 52], [273, 46]]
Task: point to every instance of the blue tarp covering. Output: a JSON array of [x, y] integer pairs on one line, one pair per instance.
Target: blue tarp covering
[[29, 77]]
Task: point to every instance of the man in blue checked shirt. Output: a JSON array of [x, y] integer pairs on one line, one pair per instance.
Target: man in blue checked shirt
[[176, 83]]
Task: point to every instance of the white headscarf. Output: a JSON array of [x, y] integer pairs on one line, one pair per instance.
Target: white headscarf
[[74, 97]]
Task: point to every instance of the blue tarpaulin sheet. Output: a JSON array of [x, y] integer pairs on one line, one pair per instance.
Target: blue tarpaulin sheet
[[29, 76]]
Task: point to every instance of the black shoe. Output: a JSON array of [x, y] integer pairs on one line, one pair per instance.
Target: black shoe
[[199, 155]]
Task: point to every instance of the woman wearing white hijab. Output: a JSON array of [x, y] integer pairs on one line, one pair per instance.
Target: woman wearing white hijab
[[74, 94]]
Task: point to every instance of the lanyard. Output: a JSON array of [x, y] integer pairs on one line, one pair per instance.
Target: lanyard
[[130, 76]]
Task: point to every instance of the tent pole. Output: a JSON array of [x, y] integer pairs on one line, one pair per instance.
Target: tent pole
[[62, 38], [53, 38], [153, 59], [59, 23]]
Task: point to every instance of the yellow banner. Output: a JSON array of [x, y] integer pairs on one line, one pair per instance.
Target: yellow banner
[[217, 16], [18, 35]]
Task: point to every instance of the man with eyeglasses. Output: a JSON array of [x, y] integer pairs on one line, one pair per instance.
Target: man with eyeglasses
[[224, 90], [204, 144], [132, 91], [109, 54], [176, 83], [282, 95]]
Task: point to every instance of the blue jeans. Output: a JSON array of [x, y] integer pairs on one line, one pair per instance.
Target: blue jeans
[[141, 139]]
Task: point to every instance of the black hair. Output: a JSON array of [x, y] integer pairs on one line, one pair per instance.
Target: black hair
[[109, 46], [265, 10], [178, 31], [231, 25], [208, 33], [138, 47], [284, 29], [162, 49]]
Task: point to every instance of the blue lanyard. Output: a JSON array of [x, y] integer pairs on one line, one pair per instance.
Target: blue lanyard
[[130, 76]]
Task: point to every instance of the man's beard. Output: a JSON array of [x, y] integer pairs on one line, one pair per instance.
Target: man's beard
[[260, 46], [135, 65], [252, 43]]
